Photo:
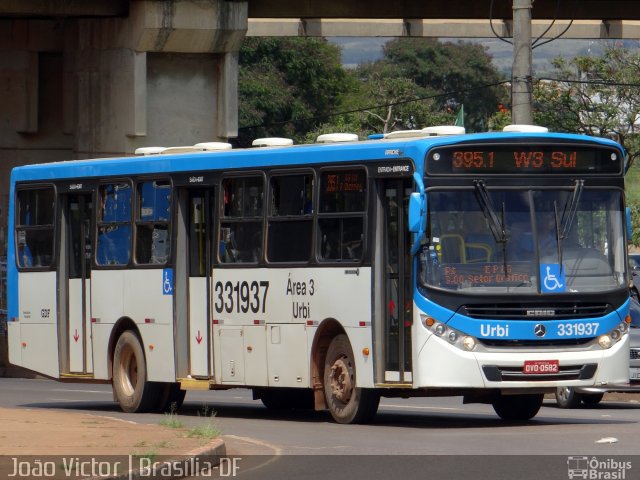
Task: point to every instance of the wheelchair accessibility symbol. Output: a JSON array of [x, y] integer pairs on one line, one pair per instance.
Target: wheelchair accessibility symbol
[[552, 278], [167, 281]]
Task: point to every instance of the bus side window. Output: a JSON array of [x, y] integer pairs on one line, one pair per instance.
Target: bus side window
[[152, 222], [114, 225], [290, 217], [341, 218], [35, 228], [241, 224]]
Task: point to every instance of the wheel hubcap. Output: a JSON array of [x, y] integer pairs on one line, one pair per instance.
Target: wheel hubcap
[[129, 368], [342, 379], [563, 393]]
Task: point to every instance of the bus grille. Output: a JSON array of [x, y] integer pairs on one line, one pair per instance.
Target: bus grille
[[571, 342], [634, 354], [515, 374], [556, 311]]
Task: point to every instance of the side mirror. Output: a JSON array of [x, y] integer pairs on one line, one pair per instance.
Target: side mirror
[[416, 212], [629, 230]]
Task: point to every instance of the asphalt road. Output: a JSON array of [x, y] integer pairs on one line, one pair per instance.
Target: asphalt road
[[414, 438]]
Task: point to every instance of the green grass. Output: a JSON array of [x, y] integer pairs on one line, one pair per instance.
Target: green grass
[[171, 419], [206, 430]]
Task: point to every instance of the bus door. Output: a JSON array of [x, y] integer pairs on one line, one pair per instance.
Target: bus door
[[397, 302], [75, 268], [199, 238]]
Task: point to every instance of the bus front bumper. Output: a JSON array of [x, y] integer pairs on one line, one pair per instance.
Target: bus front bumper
[[438, 364]]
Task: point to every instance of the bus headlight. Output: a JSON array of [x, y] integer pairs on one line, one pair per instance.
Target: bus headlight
[[455, 338], [605, 341], [469, 343]]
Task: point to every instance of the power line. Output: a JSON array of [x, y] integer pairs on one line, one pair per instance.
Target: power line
[[364, 109], [438, 95], [590, 82]]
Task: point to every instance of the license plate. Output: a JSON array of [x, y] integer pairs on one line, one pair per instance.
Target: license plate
[[541, 367], [634, 373]]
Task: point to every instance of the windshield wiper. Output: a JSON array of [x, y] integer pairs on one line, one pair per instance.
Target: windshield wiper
[[570, 209], [558, 234], [496, 225], [563, 226]]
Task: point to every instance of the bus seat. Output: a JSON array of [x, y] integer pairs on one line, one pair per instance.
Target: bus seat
[[453, 248], [478, 247], [113, 247], [478, 252]]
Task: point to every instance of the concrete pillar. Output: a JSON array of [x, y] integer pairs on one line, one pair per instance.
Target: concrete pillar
[[165, 74]]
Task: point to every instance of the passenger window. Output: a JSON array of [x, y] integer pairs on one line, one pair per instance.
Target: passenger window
[[242, 220], [114, 225], [341, 226], [35, 228], [152, 223], [290, 234]]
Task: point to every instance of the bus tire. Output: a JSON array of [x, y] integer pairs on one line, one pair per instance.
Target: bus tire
[[592, 399], [518, 407], [171, 398], [130, 386], [347, 403], [567, 397]]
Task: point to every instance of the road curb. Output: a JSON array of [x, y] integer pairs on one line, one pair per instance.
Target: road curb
[[186, 465]]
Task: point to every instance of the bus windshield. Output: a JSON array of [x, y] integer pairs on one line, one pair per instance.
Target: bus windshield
[[510, 240]]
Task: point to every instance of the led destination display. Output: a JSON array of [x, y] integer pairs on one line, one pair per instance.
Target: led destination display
[[510, 159]]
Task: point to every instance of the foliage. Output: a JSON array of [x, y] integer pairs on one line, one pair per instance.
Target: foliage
[[286, 85], [400, 104], [297, 88], [594, 108], [461, 70], [500, 119]]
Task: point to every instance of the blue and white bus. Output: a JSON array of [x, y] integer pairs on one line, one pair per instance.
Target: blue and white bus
[[490, 266]]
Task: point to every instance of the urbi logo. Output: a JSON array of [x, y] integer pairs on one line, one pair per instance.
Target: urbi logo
[[488, 330]]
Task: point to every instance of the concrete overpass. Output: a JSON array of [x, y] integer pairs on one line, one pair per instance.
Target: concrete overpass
[[92, 78], [589, 19]]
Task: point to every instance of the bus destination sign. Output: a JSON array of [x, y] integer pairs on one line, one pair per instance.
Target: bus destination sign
[[511, 159]]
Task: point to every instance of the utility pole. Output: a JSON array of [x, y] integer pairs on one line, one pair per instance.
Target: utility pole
[[521, 76]]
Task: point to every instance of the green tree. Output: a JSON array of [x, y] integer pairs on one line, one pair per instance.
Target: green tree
[[600, 98], [391, 102], [288, 86], [462, 69], [605, 104]]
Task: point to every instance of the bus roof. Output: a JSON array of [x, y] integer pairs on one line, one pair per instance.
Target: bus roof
[[306, 154]]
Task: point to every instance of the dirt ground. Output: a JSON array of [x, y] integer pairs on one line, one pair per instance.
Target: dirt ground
[[51, 432]]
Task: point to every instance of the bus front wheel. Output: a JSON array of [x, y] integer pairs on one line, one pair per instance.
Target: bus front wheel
[[347, 402], [130, 386], [567, 397], [517, 407]]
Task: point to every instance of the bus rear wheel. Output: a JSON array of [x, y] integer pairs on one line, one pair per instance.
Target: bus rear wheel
[[130, 386], [518, 407], [347, 403]]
